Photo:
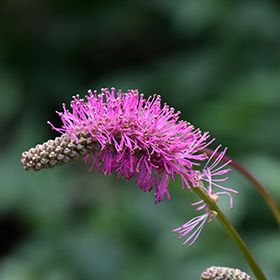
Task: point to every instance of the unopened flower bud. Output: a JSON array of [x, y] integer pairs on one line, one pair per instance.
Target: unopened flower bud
[[224, 273], [55, 152]]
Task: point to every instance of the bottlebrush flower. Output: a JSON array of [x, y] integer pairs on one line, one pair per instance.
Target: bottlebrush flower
[[124, 132]]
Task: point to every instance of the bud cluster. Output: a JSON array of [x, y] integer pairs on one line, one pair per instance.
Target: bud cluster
[[59, 151], [224, 273]]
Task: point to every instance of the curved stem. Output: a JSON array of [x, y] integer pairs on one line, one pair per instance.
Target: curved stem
[[232, 233], [266, 195]]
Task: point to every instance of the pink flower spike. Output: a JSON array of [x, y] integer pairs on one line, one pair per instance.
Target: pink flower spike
[[122, 131]]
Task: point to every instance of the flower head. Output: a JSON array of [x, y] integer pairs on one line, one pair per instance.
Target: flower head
[[128, 134]]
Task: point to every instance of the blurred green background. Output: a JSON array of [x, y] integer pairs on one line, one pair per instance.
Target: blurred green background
[[218, 62]]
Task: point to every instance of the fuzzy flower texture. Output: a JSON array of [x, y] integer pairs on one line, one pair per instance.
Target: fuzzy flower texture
[[131, 135]]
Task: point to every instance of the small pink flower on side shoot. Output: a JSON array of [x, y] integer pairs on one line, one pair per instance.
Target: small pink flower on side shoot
[[196, 224]]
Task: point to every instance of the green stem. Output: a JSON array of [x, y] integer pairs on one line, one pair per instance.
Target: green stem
[[232, 233], [266, 195]]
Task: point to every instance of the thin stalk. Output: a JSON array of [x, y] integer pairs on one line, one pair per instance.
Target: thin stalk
[[232, 233], [259, 186]]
